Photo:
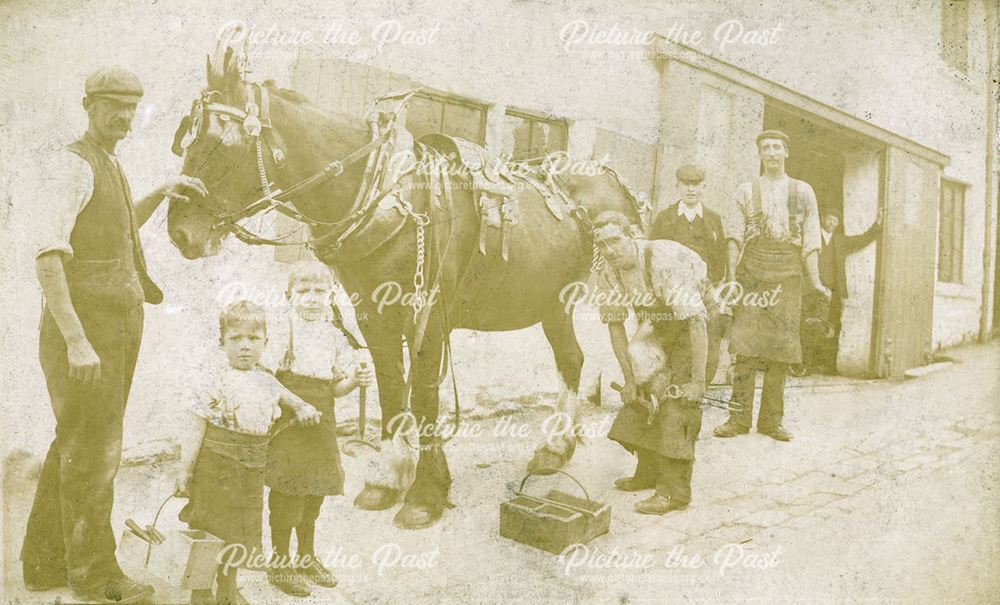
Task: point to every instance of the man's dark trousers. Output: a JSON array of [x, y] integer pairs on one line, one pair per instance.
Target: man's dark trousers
[[772, 398], [69, 530]]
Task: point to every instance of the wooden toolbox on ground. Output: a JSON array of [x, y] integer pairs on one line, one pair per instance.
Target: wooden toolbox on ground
[[555, 521], [181, 558], [186, 559]]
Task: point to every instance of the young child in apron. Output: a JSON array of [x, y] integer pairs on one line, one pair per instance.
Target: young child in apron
[[224, 452], [314, 360]]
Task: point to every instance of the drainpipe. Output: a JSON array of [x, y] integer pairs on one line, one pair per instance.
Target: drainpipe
[[989, 239]]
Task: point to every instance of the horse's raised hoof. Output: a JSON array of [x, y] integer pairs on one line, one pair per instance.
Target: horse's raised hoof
[[415, 516], [376, 497], [546, 461]]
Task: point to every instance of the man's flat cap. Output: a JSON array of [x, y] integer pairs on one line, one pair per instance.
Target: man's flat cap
[[116, 83], [772, 134], [690, 173]]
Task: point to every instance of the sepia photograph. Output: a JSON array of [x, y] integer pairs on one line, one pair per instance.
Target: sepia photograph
[[521, 301]]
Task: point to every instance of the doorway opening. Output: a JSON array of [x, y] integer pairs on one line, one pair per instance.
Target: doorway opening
[[836, 336], [816, 156]]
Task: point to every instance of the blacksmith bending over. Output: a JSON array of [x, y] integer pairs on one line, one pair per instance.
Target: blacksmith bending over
[[663, 365], [773, 234], [93, 277]]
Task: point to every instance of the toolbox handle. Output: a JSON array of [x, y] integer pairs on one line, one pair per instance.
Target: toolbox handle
[[555, 470], [150, 530]]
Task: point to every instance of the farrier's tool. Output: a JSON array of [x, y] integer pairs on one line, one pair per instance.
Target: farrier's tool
[[674, 391], [651, 404]]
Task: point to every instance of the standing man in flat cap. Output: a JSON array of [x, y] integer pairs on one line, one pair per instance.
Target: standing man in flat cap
[[774, 239], [93, 276], [689, 223]]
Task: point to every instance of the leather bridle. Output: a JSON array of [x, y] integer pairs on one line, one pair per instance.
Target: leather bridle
[[256, 122]]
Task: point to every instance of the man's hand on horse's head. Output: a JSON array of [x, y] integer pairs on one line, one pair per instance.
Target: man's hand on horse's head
[[181, 187]]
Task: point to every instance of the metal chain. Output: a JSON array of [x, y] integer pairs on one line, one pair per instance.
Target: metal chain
[[265, 185], [419, 296]]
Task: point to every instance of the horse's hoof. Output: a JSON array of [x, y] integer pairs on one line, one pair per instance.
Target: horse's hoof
[[376, 497], [545, 462], [415, 516]]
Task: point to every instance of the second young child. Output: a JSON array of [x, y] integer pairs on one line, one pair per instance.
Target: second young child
[[316, 362]]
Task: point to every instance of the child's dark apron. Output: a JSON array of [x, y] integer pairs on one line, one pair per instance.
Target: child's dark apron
[[772, 331], [305, 460], [677, 422], [227, 487]]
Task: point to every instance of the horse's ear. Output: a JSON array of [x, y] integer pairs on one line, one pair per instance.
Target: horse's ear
[[179, 136], [232, 75]]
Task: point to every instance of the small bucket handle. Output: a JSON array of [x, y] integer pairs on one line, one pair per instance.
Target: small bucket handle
[[561, 472]]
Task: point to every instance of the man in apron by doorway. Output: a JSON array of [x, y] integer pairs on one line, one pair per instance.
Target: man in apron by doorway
[[773, 234]]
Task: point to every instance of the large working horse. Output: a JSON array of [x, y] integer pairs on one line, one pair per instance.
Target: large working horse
[[260, 148]]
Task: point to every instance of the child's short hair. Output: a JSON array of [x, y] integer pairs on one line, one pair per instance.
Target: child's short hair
[[242, 312], [309, 270]]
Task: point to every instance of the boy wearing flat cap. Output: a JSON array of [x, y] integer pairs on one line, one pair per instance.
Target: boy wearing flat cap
[[773, 241], [93, 276], [689, 223]]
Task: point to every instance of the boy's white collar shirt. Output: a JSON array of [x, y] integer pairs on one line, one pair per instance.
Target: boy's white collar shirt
[[688, 212]]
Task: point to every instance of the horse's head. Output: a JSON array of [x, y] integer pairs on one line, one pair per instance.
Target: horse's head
[[218, 142], [231, 141]]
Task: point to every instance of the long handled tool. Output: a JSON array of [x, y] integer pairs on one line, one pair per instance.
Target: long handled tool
[[360, 439], [706, 401]]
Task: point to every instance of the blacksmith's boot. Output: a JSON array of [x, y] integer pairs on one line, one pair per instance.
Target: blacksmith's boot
[[122, 590], [631, 484], [730, 429], [659, 505], [776, 432]]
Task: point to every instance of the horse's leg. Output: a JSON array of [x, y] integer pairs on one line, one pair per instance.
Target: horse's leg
[[560, 430], [427, 497], [383, 483]]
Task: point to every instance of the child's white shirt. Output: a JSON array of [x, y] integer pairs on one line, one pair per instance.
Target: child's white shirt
[[244, 401], [318, 347]]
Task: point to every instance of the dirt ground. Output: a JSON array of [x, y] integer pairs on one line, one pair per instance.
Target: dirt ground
[[887, 494]]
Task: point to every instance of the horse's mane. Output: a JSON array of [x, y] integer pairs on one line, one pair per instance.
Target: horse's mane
[[287, 94]]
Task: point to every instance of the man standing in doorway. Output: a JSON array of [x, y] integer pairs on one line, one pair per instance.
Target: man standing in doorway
[[689, 223], [773, 238], [93, 276], [820, 354]]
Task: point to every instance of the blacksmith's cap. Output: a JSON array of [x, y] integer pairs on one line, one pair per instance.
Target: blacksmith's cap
[[690, 173], [115, 83], [773, 134]]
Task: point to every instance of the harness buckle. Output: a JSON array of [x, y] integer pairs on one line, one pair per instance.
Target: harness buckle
[[334, 169]]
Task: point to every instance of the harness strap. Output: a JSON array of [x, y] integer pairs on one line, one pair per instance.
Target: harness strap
[[793, 203]]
